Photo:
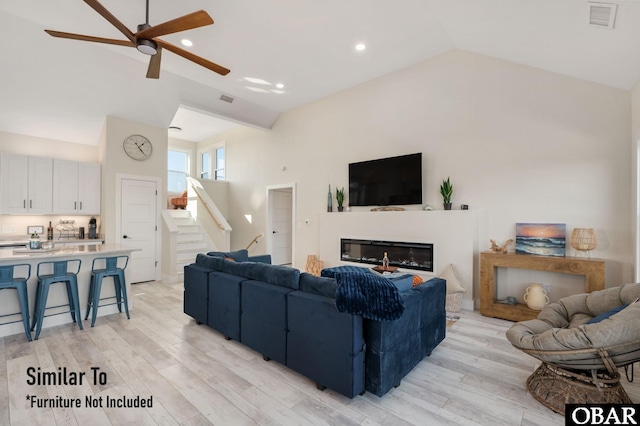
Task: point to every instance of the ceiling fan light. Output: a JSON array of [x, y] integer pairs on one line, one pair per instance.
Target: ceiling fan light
[[148, 47]]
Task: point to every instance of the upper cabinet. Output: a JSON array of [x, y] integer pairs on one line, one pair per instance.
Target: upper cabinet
[[76, 188], [38, 185], [25, 184]]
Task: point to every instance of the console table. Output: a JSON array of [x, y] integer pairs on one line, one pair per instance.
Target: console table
[[591, 269]]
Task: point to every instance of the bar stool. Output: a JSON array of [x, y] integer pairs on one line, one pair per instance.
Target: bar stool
[[8, 280], [60, 274], [111, 269]]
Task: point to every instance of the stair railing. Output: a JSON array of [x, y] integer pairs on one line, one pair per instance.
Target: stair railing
[[222, 240]]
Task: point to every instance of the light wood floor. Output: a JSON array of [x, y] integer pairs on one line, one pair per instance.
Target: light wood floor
[[196, 377]]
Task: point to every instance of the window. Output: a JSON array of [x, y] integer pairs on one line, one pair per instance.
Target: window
[[178, 170], [212, 162], [205, 173], [219, 169]]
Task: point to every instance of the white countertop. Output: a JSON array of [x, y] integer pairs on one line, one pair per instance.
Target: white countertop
[[69, 251]]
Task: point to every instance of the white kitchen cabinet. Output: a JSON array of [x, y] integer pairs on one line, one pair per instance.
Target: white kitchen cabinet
[[76, 187], [89, 188], [25, 184]]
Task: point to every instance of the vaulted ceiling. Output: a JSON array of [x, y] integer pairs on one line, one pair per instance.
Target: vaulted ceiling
[[64, 89]]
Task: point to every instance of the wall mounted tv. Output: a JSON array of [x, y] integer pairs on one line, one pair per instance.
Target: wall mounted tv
[[386, 181]]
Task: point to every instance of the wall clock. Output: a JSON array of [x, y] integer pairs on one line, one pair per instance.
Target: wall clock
[[137, 147]]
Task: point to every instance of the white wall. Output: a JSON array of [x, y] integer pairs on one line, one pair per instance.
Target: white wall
[[116, 162], [635, 152], [520, 145]]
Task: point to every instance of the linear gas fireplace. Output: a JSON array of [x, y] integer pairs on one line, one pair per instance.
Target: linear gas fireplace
[[401, 254]]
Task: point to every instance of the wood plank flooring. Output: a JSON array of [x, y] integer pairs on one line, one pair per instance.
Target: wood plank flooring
[[195, 377]]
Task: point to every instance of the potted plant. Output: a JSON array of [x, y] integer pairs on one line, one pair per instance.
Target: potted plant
[[446, 189], [340, 198]]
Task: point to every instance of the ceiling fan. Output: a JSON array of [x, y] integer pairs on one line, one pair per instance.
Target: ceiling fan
[[146, 38]]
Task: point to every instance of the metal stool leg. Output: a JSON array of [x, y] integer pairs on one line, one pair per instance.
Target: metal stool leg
[[24, 307], [90, 298], [122, 286], [97, 287], [41, 303]]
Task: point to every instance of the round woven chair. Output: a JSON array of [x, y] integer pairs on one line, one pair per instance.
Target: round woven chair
[[582, 341]]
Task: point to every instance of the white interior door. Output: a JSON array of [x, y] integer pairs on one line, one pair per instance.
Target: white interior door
[[281, 226], [138, 227]]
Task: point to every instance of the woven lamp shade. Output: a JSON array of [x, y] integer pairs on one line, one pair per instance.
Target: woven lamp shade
[[584, 240]]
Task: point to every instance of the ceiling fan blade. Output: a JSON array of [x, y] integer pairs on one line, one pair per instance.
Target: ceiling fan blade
[[154, 65], [112, 19], [89, 38], [194, 58], [186, 22]]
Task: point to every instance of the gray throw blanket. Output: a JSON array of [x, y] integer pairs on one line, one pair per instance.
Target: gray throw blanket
[[369, 295]]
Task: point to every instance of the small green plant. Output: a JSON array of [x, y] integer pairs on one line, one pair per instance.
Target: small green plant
[[446, 189], [340, 196]]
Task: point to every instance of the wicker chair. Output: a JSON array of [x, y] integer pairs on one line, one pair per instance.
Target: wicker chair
[[580, 358]]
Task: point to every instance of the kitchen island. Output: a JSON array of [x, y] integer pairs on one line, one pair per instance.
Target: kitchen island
[[57, 294]]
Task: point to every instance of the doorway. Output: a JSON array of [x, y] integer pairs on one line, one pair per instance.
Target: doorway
[[280, 223], [137, 226]]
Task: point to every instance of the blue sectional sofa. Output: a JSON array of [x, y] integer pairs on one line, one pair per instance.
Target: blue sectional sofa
[[292, 318]]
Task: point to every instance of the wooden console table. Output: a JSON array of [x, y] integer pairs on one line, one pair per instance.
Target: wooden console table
[[591, 269]]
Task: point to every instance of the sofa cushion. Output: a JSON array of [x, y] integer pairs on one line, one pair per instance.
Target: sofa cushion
[[283, 276], [238, 255], [321, 286], [210, 262], [369, 295], [402, 281]]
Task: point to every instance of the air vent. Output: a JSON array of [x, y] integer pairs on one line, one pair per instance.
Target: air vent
[[226, 98], [602, 15]]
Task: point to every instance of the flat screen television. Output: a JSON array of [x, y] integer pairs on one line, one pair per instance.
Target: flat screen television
[[386, 181]]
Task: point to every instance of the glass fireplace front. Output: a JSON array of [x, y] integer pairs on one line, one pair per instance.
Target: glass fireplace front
[[401, 254]]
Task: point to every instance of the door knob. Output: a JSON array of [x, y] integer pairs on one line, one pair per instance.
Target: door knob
[[124, 236], [274, 232]]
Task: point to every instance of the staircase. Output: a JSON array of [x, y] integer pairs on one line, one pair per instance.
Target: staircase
[[189, 240]]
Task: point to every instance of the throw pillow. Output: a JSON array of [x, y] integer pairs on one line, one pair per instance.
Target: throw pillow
[[417, 280], [606, 314], [453, 282]]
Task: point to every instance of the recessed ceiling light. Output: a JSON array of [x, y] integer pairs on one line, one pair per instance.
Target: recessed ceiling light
[[361, 46], [186, 42], [280, 85]]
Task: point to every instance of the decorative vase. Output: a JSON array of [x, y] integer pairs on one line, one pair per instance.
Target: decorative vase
[[329, 203], [536, 297], [447, 206], [340, 208]]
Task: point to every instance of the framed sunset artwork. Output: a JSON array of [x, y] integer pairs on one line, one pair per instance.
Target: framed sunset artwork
[[543, 239]]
